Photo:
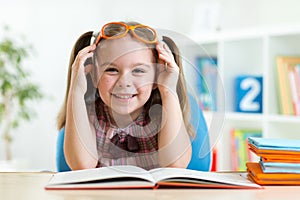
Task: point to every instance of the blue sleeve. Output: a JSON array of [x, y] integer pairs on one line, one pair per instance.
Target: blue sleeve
[[61, 163], [201, 150]]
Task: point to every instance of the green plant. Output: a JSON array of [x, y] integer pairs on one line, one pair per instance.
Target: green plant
[[16, 89]]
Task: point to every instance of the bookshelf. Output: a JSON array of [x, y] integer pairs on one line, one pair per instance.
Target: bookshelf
[[250, 52]]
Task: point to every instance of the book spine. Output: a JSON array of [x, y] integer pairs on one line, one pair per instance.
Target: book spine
[[297, 85], [234, 147], [288, 104], [292, 79], [280, 83], [242, 154], [207, 82], [283, 85]]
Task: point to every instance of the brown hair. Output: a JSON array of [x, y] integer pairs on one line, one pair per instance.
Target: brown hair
[[181, 87], [83, 41], [155, 98]]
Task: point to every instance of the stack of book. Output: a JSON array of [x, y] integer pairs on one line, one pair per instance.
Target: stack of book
[[279, 161]]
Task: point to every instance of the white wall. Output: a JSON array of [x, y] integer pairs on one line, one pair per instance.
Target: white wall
[[53, 26]]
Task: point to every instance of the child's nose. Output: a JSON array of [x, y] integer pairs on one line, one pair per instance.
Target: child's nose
[[124, 80]]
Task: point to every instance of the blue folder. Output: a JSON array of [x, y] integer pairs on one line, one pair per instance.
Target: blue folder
[[279, 167], [275, 143]]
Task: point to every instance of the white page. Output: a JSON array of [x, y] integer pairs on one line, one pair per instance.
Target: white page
[[101, 174], [161, 174]]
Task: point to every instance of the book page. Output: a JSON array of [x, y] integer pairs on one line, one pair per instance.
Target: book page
[[103, 173], [168, 174]]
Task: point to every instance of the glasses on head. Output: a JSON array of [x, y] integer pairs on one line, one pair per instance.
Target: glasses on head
[[114, 30]]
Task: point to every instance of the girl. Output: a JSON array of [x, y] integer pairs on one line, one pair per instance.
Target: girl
[[138, 111]]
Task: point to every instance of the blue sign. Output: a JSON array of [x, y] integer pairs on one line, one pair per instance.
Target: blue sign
[[249, 93]]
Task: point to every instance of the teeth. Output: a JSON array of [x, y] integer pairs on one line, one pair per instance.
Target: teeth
[[123, 96]]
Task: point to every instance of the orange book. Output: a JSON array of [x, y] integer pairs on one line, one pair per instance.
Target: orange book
[[280, 158], [270, 155], [256, 174], [260, 151]]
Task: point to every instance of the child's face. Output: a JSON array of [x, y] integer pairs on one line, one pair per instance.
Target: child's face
[[127, 75]]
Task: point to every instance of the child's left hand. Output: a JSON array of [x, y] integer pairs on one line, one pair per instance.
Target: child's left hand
[[168, 70]]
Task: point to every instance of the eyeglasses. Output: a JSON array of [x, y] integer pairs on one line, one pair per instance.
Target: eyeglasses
[[114, 30]]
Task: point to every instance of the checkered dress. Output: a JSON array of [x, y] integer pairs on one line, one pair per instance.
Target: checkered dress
[[144, 131]]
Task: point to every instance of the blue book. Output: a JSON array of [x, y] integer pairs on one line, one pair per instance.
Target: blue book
[[275, 143], [279, 167], [207, 79]]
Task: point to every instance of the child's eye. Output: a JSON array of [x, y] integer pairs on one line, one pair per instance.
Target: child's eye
[[139, 70], [111, 69]]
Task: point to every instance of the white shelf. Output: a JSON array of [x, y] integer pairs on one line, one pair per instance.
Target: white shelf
[[251, 52], [284, 119], [243, 116]]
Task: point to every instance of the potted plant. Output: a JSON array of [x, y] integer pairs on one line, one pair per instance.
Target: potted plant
[[16, 89]]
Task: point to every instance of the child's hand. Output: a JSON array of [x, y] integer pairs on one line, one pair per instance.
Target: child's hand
[[79, 71], [168, 70]]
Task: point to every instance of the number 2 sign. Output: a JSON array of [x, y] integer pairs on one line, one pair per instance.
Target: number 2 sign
[[249, 90]]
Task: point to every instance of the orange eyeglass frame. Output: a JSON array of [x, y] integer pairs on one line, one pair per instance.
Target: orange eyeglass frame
[[127, 28]]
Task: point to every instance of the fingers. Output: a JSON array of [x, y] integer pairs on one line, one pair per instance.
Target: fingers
[[87, 49], [79, 83], [164, 52], [166, 58], [83, 55]]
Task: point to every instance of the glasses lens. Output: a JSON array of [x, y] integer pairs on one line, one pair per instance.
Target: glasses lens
[[145, 33], [112, 30]]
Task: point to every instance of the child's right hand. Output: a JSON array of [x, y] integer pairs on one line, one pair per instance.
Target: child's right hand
[[79, 71], [168, 71]]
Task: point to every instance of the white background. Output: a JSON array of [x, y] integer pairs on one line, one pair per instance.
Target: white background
[[53, 26]]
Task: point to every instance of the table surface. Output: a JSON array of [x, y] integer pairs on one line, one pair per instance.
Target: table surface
[[30, 185]]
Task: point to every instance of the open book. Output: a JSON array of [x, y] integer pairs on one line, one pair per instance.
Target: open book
[[132, 177]]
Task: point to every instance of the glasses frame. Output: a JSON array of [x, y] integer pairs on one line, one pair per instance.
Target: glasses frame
[[128, 28]]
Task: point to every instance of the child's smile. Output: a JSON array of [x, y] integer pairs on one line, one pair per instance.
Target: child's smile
[[124, 97]]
